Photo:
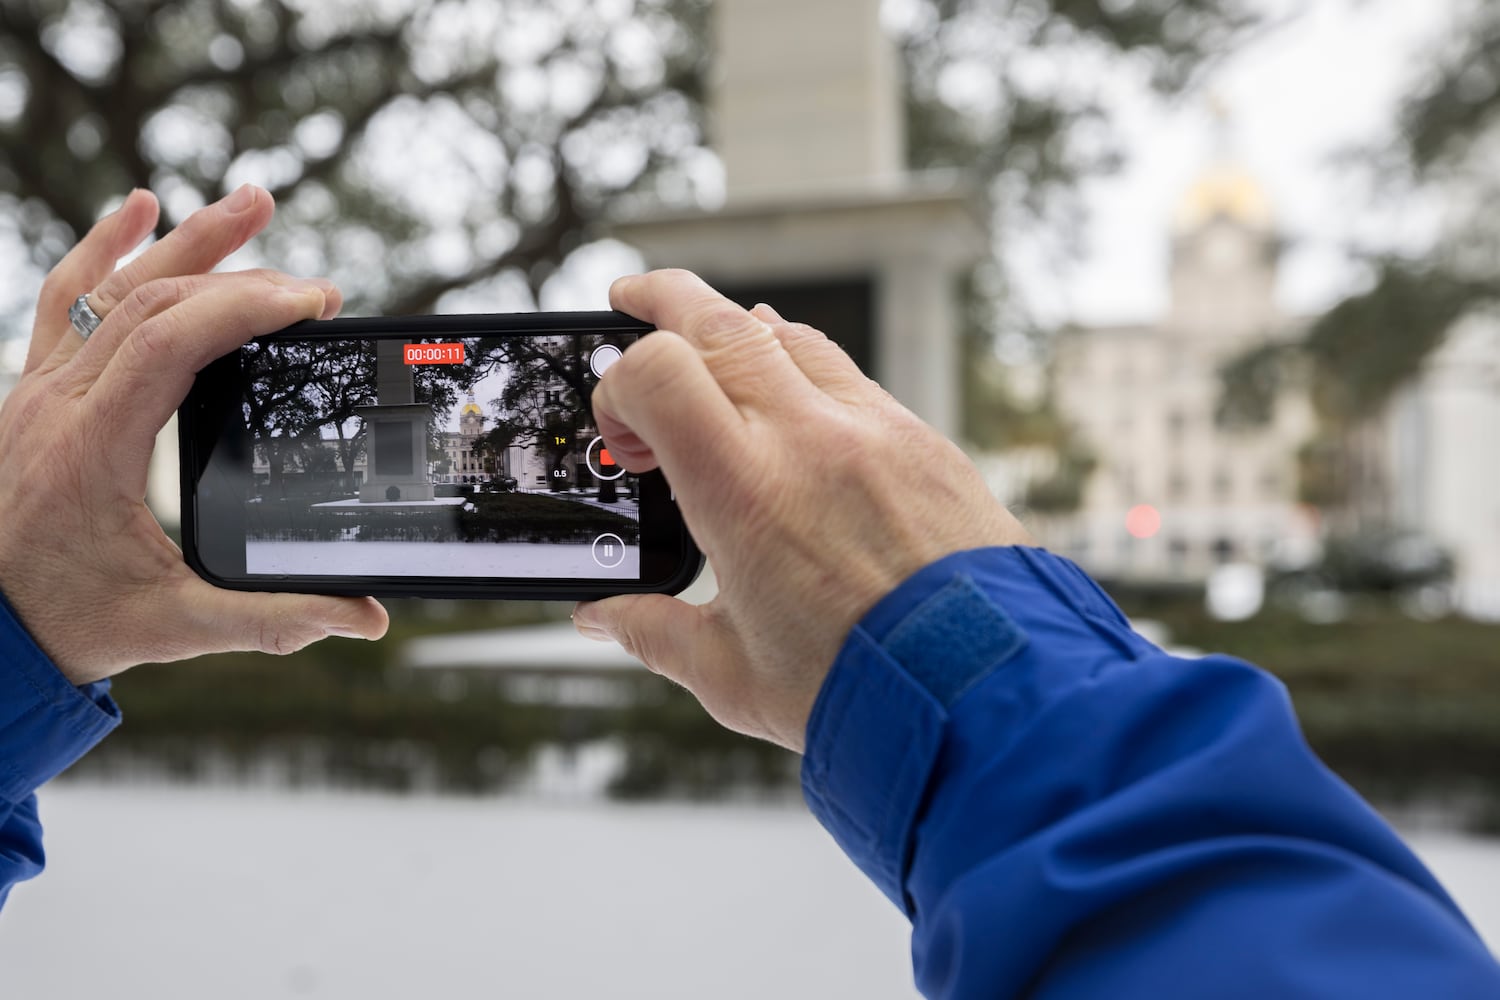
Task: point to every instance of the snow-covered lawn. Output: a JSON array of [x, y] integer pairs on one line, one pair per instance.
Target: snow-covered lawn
[[184, 893], [495, 559], [193, 893]]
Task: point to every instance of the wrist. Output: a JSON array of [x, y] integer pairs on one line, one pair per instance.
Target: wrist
[[985, 623], [45, 719]]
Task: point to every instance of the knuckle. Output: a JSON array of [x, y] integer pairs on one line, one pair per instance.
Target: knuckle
[[151, 297], [260, 276], [106, 295], [721, 322], [633, 643], [675, 275], [648, 364], [801, 333], [151, 341], [278, 636]]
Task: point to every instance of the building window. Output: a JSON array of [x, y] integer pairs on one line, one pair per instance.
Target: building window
[[1177, 486], [1223, 550], [1223, 484]]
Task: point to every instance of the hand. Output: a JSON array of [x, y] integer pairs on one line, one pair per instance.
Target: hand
[[810, 489], [82, 561]]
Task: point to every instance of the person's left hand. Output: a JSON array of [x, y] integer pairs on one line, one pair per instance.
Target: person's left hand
[[82, 561]]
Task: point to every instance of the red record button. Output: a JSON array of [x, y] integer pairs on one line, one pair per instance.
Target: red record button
[[601, 463]]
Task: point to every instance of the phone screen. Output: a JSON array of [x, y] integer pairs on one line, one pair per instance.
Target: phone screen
[[422, 455]]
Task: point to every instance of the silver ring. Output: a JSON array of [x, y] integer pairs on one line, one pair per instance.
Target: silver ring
[[83, 317]]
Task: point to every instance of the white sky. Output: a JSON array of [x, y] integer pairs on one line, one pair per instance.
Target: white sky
[[1329, 79]]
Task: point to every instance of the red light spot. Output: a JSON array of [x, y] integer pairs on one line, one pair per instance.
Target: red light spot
[[605, 458], [1143, 521]]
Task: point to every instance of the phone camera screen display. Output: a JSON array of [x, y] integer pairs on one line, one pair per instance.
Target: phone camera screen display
[[433, 456]]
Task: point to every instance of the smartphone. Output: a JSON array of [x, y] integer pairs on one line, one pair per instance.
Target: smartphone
[[431, 456]]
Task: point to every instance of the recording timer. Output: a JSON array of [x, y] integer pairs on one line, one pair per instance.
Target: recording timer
[[434, 354]]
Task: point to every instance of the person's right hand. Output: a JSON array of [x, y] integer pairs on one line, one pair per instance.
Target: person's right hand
[[810, 489], [82, 560]]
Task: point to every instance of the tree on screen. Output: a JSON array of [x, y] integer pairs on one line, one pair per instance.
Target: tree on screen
[[303, 402]]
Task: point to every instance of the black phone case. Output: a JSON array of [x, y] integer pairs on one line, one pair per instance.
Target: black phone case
[[193, 455]]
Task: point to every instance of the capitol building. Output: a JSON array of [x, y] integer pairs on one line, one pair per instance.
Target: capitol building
[[1172, 493], [461, 463], [529, 465]]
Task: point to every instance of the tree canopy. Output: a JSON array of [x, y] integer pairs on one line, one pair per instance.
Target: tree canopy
[[1439, 161], [441, 154], [415, 148]]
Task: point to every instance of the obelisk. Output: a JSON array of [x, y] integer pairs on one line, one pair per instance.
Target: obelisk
[[396, 433]]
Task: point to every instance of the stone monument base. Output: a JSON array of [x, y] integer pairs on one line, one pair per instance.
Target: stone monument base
[[406, 492]]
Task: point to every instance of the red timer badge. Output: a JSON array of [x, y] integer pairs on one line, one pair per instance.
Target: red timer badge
[[434, 354]]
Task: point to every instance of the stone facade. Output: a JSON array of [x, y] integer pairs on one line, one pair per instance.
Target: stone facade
[[461, 463], [807, 115], [1143, 399], [1441, 455]]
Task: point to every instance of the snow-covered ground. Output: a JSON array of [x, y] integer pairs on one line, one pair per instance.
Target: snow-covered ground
[[435, 559], [187, 893], [161, 893]]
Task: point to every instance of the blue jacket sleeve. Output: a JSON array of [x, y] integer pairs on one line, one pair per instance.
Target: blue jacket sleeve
[[45, 725], [1063, 810]]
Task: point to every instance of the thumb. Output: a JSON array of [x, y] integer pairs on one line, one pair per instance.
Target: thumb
[[671, 637], [284, 623]]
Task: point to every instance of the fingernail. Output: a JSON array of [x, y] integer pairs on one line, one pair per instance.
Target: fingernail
[[121, 206], [775, 316], [300, 290], [302, 286], [241, 199], [346, 633]]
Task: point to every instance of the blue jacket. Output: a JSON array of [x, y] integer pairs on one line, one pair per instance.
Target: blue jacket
[[45, 725], [1062, 809]]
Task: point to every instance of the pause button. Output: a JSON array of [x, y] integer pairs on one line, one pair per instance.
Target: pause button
[[609, 550]]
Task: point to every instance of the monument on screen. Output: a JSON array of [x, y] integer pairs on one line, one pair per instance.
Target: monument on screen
[[397, 428]]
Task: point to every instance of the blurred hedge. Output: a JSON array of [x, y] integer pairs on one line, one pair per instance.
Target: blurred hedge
[[1401, 708], [343, 712]]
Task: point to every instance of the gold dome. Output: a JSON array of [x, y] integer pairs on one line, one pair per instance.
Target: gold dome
[[471, 407], [1225, 191]]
